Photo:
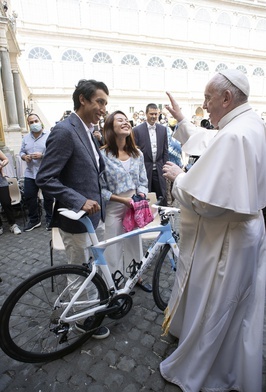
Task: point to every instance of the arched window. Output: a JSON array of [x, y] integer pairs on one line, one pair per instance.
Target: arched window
[[242, 68], [155, 62], [102, 57], [68, 12], [221, 67], [128, 20], [129, 59], [242, 38], [155, 7], [179, 64], [201, 30], [201, 66], [39, 53], [155, 19], [179, 18], [71, 55], [258, 72], [243, 22], [180, 11], [261, 26], [259, 41], [222, 34], [97, 15]]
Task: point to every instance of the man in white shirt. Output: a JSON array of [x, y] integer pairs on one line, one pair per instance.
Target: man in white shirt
[[151, 138], [32, 152]]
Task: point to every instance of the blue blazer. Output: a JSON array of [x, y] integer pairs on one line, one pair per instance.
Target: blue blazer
[[69, 172]]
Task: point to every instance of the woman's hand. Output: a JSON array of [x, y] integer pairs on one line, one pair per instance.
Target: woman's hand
[[127, 202], [123, 200]]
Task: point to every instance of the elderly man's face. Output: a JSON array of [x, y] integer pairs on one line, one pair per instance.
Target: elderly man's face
[[213, 103]]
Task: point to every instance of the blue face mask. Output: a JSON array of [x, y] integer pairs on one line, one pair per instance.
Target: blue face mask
[[36, 127]]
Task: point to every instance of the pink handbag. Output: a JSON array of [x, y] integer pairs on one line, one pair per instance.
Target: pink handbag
[[138, 216], [128, 221], [142, 213]]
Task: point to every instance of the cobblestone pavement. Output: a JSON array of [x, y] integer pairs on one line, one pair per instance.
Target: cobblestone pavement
[[127, 361]]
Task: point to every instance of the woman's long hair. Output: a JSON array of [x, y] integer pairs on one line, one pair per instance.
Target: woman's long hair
[[110, 140]]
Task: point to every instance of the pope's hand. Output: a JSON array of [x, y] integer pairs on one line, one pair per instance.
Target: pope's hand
[[175, 110], [171, 171]]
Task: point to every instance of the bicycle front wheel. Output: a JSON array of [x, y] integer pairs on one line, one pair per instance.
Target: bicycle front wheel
[[30, 331], [164, 276]]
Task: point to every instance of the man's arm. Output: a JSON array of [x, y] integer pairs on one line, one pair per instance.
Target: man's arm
[[59, 150]]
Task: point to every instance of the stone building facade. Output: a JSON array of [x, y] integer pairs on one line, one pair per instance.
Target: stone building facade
[[139, 48]]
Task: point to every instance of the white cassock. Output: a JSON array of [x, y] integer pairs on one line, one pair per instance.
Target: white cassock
[[217, 305]]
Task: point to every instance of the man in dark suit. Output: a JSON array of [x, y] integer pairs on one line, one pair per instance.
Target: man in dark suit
[[151, 138], [71, 168]]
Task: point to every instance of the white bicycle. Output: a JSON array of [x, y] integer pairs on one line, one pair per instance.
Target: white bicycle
[[37, 320]]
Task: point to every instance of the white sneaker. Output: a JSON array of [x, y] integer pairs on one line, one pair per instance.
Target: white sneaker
[[15, 229], [1, 230]]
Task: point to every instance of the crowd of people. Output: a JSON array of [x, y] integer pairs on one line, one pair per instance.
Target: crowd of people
[[216, 309]]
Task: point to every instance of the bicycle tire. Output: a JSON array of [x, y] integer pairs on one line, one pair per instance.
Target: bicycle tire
[[163, 277], [27, 318]]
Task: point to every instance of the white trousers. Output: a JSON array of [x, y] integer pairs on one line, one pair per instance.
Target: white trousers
[[78, 245], [120, 255]]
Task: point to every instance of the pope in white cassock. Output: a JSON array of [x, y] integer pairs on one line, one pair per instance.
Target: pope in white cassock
[[217, 305]]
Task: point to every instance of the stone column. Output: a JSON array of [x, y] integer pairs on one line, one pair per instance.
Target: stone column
[[8, 88], [19, 101]]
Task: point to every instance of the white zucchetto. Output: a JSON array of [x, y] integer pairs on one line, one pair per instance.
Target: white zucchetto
[[238, 79]]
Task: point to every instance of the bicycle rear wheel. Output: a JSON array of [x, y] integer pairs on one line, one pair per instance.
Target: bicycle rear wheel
[[29, 320], [164, 276]]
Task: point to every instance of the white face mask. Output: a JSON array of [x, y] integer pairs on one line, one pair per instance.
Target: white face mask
[[36, 127]]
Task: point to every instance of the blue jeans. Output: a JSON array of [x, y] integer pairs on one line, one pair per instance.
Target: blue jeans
[[31, 197]]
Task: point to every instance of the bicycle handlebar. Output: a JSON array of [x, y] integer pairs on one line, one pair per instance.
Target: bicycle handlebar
[[165, 209], [77, 215], [71, 214]]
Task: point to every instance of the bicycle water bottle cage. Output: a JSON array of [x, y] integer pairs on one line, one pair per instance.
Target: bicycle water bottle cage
[[118, 279], [133, 268], [88, 264]]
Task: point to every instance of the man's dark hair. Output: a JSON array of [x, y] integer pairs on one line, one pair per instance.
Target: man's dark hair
[[33, 114], [87, 88], [151, 106]]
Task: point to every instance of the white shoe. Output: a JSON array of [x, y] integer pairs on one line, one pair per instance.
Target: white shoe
[[1, 230], [15, 229]]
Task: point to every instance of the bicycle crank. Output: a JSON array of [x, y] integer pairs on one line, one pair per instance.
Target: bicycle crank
[[123, 303]]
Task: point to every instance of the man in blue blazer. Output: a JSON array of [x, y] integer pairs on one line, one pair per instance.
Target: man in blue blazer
[[71, 168], [151, 138]]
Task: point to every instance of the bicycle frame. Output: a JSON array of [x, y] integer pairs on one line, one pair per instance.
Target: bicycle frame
[[164, 237]]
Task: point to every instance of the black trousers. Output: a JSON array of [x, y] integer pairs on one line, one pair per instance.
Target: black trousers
[[156, 187], [5, 201]]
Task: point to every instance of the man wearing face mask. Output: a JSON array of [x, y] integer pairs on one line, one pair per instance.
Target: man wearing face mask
[[32, 151]]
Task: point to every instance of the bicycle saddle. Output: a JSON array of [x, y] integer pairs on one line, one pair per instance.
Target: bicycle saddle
[[71, 214]]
